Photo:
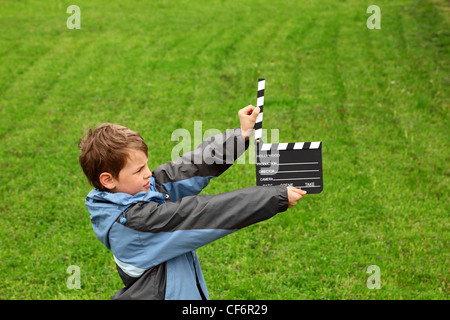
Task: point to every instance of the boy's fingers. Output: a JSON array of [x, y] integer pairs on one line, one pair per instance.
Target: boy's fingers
[[247, 110], [295, 195], [299, 191], [255, 113]]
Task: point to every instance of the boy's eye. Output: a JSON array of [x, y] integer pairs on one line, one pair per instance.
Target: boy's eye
[[139, 170]]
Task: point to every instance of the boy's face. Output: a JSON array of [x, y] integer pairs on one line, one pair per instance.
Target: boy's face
[[135, 175]]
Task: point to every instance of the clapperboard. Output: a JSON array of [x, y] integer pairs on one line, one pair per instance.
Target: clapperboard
[[296, 164]]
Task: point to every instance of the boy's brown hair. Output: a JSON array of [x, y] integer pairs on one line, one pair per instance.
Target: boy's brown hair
[[106, 149]]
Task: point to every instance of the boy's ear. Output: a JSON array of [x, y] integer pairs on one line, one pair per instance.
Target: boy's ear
[[107, 180]]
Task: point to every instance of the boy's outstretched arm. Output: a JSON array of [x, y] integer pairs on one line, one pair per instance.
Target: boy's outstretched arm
[[173, 228], [193, 170]]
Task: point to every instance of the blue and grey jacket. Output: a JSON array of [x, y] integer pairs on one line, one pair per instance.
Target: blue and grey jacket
[[153, 235]]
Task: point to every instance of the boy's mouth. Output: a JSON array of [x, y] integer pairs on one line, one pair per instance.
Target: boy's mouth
[[147, 185]]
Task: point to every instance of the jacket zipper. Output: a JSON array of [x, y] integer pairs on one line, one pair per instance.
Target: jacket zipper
[[196, 278]]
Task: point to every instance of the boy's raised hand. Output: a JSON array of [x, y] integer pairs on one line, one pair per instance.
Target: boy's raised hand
[[247, 117], [294, 194]]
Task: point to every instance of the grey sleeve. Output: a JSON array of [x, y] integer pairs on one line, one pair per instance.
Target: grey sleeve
[[232, 210], [211, 158]]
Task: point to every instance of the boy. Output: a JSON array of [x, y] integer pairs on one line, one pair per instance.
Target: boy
[[154, 221]]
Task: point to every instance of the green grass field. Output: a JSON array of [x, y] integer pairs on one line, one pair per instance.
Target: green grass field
[[377, 99]]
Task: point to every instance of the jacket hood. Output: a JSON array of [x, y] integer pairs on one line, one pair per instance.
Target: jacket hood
[[106, 207]]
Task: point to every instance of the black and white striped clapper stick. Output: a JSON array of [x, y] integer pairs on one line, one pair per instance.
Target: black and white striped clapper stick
[[297, 164]]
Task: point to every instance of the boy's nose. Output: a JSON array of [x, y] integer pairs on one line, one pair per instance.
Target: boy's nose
[[148, 174]]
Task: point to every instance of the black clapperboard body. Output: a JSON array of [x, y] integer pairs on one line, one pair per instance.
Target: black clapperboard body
[[296, 164]]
